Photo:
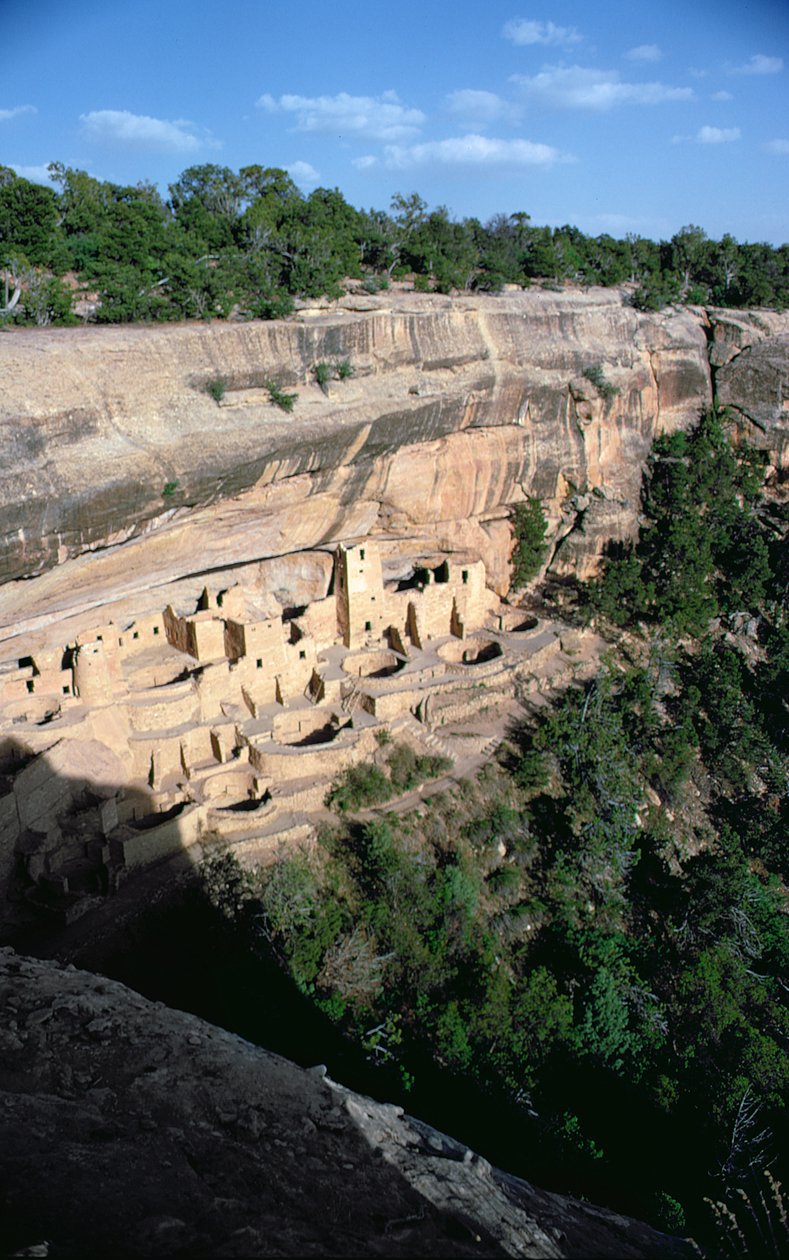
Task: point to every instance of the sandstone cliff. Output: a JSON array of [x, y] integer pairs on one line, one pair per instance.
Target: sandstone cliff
[[131, 1129], [119, 473]]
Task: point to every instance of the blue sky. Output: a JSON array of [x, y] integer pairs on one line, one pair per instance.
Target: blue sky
[[618, 117]]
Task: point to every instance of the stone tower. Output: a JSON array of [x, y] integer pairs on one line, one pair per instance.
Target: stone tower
[[359, 591]]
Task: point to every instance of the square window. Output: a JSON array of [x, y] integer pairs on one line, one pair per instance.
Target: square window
[[361, 553], [31, 686], [302, 655], [464, 575], [66, 691], [156, 629], [368, 625], [99, 639], [136, 634], [259, 662]]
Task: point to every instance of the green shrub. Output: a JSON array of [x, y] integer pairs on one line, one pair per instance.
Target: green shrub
[[668, 1213], [530, 527], [275, 305], [170, 488], [323, 373], [422, 284], [216, 387], [341, 370], [597, 377], [279, 398], [408, 769], [366, 784], [358, 787], [656, 292]]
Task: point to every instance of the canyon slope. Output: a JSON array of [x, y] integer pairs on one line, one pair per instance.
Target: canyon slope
[[120, 474]]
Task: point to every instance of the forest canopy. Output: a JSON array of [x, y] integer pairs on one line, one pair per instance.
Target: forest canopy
[[244, 244]]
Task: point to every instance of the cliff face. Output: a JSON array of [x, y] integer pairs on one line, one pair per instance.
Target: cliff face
[[119, 473], [112, 450], [128, 1128]]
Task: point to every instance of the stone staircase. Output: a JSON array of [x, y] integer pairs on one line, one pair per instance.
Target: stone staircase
[[424, 735], [490, 745]]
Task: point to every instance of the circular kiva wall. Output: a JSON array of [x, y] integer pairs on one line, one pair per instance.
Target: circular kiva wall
[[470, 651], [373, 664], [305, 728]]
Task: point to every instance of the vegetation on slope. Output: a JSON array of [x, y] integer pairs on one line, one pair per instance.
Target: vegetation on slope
[[368, 784], [591, 940], [246, 243], [529, 526]]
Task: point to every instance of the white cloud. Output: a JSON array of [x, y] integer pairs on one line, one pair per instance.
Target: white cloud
[[123, 129], [372, 118], [644, 52], [717, 135], [7, 114], [759, 64], [710, 135], [580, 87], [721, 96], [481, 108], [364, 163], [36, 174], [616, 222], [776, 146], [303, 173], [472, 150], [526, 31]]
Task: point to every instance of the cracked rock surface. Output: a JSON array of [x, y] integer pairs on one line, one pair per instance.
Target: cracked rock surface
[[131, 1129]]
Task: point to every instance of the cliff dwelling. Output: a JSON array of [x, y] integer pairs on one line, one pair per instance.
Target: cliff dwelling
[[196, 665], [220, 723]]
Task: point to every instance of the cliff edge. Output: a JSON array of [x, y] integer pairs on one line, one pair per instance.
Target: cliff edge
[[131, 1129]]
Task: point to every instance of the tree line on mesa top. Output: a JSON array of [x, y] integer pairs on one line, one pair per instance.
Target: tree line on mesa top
[[246, 244]]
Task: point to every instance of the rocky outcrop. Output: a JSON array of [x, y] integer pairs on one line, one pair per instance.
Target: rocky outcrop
[[119, 472], [756, 385], [130, 1129]]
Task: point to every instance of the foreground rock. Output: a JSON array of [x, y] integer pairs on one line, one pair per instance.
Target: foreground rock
[[130, 1129]]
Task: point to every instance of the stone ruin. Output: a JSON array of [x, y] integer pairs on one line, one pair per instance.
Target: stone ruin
[[224, 724]]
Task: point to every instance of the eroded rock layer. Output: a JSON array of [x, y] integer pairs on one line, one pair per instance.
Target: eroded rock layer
[[119, 472]]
